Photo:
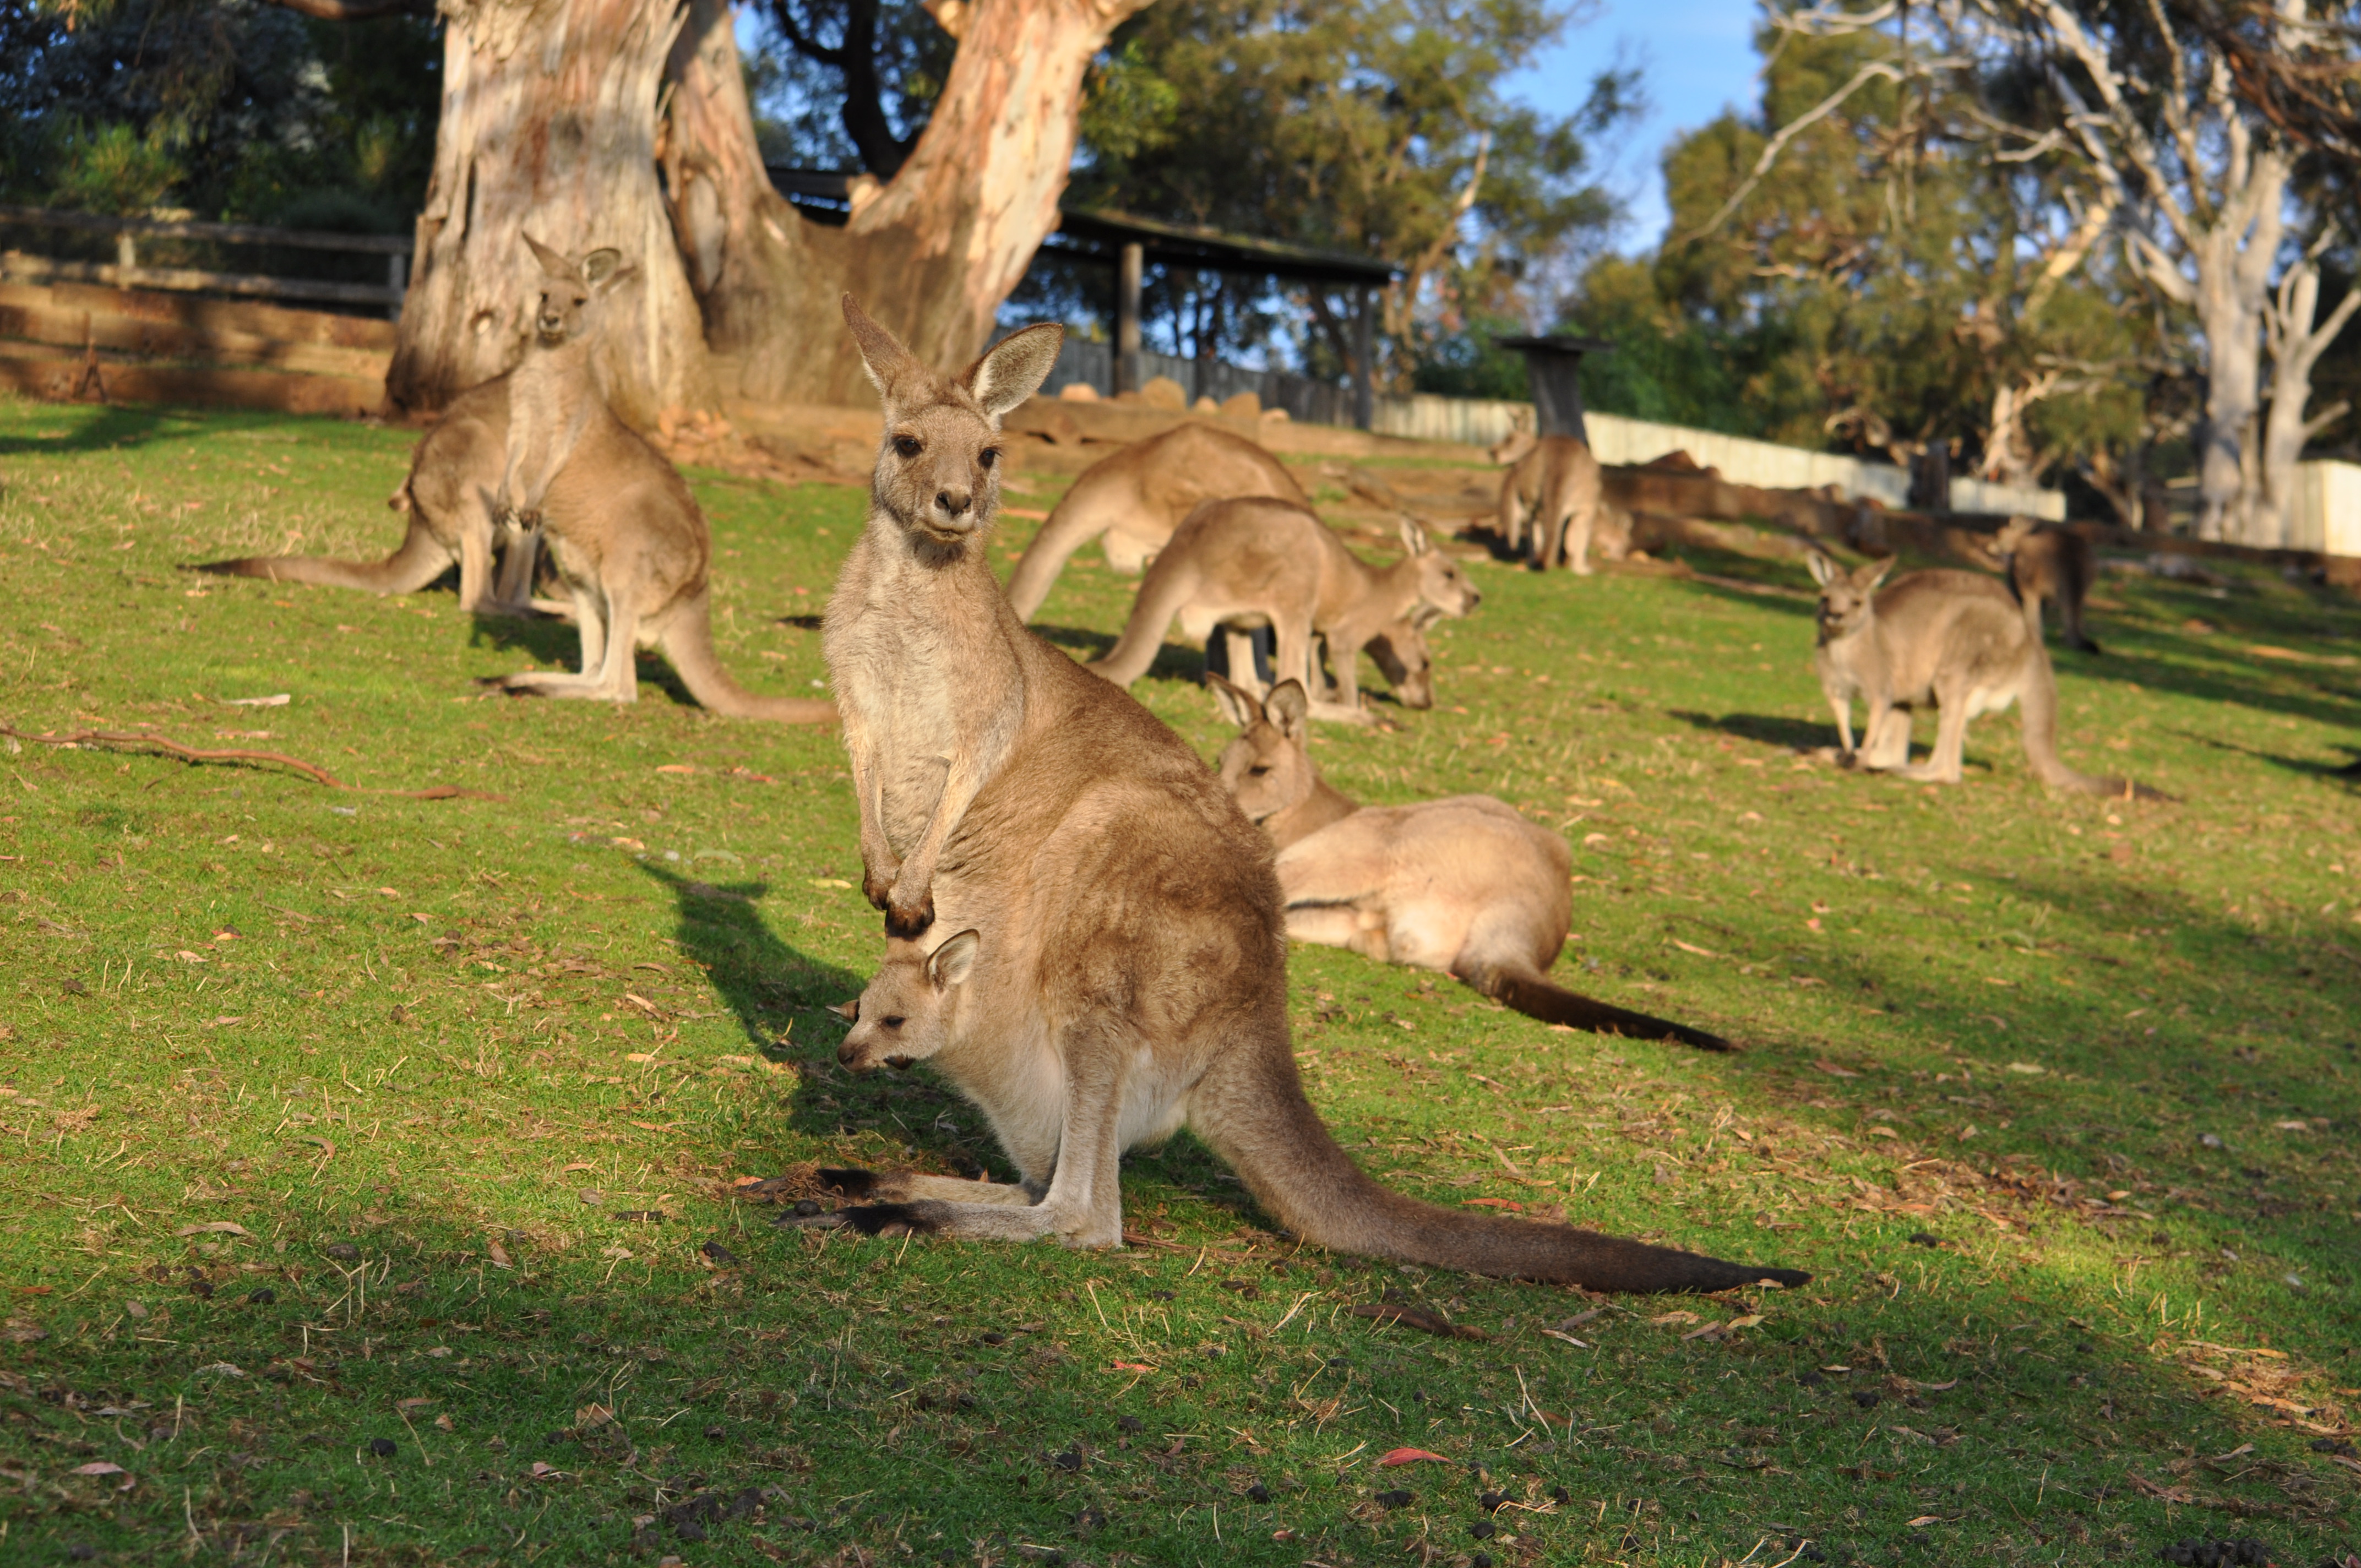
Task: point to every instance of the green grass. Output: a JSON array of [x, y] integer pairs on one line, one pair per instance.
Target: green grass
[[2057, 1097]]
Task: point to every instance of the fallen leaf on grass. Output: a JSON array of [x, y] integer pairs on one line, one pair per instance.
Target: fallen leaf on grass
[[1884, 1133], [674, 768], [1675, 1316], [1410, 1456], [277, 699], [1579, 1344], [1924, 1520], [1493, 1203], [591, 1417], [1412, 1318], [499, 1255], [1690, 948], [1131, 1367], [2031, 1069], [216, 1227], [98, 1468], [1833, 1070], [1715, 1330]]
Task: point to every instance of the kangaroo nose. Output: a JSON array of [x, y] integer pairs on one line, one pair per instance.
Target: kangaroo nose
[[953, 502]]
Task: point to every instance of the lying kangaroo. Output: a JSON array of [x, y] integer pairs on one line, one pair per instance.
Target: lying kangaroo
[[2051, 564], [1255, 561], [621, 528], [1119, 966], [1139, 496], [1463, 886], [1554, 486], [449, 495], [1958, 640]]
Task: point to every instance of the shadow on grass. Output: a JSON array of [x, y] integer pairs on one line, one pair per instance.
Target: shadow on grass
[[2346, 773], [104, 426], [1795, 734], [768, 985], [547, 643]]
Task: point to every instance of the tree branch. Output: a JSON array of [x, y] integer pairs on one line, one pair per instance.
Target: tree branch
[[1874, 70]]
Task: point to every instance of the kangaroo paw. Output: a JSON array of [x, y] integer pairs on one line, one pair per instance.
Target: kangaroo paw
[[907, 920], [852, 1184], [888, 1220]]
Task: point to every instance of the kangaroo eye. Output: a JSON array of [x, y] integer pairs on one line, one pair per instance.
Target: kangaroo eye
[[908, 445], [988, 457], [891, 1023], [1257, 770]]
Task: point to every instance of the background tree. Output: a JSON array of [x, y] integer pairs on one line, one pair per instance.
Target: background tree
[[1374, 126]]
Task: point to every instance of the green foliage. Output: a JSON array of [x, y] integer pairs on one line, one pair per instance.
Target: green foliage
[[475, 1078], [1666, 364], [241, 110]]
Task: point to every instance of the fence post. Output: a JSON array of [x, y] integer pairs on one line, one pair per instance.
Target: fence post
[[397, 277], [126, 257], [1364, 401], [1129, 266]]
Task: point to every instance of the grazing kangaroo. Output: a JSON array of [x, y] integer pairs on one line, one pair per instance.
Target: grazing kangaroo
[[1119, 965], [1464, 886], [1139, 496], [1552, 486], [2051, 564], [1255, 561], [620, 523], [1958, 640], [449, 495]]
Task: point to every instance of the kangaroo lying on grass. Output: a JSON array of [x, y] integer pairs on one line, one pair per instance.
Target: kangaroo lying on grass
[[2051, 564], [1554, 486], [1463, 886], [1139, 496], [1253, 562], [1118, 966], [448, 494], [1958, 640]]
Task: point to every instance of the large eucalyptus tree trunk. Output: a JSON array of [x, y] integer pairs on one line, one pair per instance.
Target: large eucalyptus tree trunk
[[548, 125], [931, 253]]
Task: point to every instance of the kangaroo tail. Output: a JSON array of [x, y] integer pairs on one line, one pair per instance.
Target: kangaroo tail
[[417, 563], [1530, 992], [1163, 592], [1256, 1118], [1076, 519], [689, 642], [2040, 698]]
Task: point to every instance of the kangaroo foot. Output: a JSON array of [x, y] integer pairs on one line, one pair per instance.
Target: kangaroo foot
[[872, 1220]]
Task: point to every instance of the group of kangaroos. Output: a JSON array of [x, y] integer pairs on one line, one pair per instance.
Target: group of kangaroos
[[1086, 930]]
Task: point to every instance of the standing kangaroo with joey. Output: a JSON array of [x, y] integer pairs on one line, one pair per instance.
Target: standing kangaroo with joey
[[1956, 639], [1464, 886], [2052, 563], [1258, 561], [620, 525], [1554, 487], [1118, 962], [1137, 497]]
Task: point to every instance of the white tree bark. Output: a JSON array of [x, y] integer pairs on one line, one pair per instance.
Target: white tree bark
[[2208, 202], [2297, 341]]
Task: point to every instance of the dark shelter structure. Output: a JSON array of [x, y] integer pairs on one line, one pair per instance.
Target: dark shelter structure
[[1554, 370]]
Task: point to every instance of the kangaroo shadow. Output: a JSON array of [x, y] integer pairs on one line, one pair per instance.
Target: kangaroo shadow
[[1795, 734], [2347, 773], [782, 998], [1083, 645], [105, 425], [548, 642]]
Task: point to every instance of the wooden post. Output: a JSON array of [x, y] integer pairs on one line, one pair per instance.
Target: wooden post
[[1364, 396], [397, 277], [127, 259], [1128, 268]]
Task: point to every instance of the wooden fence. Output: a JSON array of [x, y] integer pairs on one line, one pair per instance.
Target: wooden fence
[[127, 272]]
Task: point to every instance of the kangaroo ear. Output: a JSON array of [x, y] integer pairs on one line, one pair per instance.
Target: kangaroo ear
[[882, 354], [554, 264], [951, 963], [1014, 368], [1288, 707], [604, 267], [1824, 569], [1241, 706], [848, 1010], [1869, 576], [1413, 535]]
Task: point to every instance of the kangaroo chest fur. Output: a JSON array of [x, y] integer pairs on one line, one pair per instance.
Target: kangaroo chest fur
[[923, 669]]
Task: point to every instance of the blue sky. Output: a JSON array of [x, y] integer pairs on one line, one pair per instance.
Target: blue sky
[[1696, 58]]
